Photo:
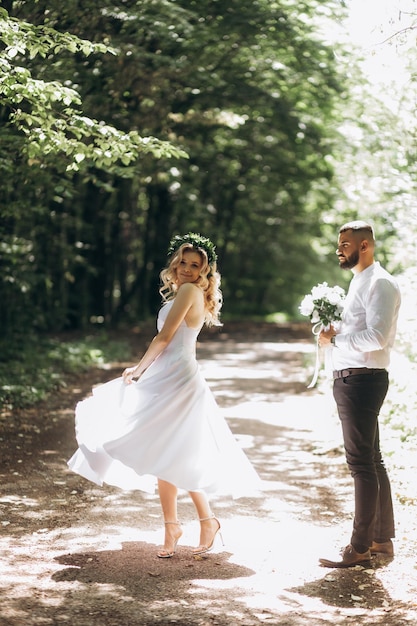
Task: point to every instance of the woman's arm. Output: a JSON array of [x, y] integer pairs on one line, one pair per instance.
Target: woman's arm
[[186, 297]]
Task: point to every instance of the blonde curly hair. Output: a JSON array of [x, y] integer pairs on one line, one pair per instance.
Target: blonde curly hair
[[208, 281]]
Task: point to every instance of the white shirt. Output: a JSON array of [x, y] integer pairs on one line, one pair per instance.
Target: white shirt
[[369, 321]]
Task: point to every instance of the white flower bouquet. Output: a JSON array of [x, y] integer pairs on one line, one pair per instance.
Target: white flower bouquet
[[323, 305]]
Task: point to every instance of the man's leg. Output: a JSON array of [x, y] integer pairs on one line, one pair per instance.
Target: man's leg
[[359, 399], [384, 528]]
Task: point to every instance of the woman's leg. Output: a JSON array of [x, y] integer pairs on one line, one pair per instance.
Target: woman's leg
[[209, 525], [168, 497]]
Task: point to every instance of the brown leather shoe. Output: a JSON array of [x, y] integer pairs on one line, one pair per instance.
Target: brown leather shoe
[[386, 548], [350, 558]]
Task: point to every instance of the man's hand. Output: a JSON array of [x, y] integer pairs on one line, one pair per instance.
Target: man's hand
[[325, 337]]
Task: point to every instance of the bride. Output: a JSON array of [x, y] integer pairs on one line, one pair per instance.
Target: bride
[[159, 422]]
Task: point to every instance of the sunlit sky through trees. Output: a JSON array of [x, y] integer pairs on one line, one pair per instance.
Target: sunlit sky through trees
[[385, 31]]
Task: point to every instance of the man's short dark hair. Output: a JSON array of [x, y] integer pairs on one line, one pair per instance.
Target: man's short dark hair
[[358, 226]]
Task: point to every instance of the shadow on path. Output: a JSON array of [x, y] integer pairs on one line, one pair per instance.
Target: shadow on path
[[73, 553]]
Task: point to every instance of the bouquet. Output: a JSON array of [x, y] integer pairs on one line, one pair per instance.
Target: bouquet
[[324, 306]]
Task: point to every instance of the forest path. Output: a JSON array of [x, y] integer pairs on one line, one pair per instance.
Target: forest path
[[73, 553]]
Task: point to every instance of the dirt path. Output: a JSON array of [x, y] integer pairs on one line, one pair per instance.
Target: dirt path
[[72, 553]]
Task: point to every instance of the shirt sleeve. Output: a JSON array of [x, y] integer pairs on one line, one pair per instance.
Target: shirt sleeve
[[381, 306]]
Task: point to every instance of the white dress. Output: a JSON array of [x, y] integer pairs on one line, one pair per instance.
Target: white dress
[[166, 425]]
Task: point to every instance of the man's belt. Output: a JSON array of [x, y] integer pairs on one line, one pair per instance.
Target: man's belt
[[354, 371]]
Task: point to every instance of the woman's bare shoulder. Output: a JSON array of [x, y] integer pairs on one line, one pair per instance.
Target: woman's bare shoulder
[[190, 289]]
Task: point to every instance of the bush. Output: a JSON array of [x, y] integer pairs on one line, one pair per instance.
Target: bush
[[31, 368]]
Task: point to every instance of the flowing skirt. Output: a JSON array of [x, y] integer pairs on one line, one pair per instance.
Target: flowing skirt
[[168, 426]]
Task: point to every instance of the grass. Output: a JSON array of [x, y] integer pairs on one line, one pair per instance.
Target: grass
[[32, 368]]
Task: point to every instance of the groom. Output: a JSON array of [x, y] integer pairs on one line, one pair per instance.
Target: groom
[[361, 354]]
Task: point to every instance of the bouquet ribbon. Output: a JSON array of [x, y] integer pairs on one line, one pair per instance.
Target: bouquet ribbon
[[316, 329]]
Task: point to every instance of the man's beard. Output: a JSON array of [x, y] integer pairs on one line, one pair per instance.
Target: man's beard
[[346, 263]]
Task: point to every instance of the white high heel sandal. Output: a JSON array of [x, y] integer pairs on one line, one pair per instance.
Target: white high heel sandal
[[166, 554], [203, 549]]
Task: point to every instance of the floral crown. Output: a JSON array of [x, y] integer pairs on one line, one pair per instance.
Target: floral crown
[[197, 241]]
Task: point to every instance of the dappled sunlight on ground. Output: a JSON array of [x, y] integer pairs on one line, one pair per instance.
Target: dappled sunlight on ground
[[71, 552]]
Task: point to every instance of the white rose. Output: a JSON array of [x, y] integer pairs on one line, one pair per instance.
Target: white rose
[[315, 317], [307, 306]]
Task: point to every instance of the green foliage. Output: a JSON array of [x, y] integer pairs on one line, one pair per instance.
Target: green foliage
[[246, 89], [32, 368], [407, 326], [22, 38], [49, 113], [374, 159]]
